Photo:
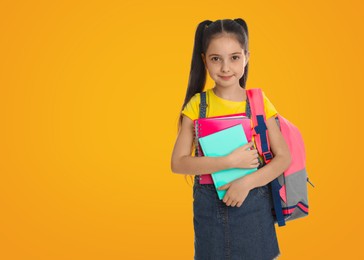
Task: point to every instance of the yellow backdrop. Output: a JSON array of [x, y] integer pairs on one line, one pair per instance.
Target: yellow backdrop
[[85, 161]]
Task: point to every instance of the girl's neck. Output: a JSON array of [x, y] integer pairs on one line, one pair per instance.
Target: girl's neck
[[233, 94]]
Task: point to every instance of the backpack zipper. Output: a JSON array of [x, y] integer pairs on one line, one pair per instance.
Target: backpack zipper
[[310, 182]]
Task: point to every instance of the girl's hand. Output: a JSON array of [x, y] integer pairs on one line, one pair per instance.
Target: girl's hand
[[242, 157], [237, 191]]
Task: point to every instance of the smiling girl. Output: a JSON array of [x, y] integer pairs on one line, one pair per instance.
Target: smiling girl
[[241, 225]]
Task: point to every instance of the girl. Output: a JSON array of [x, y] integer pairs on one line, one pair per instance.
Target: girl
[[240, 226]]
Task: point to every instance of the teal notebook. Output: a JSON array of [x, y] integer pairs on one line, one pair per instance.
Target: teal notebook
[[222, 143]]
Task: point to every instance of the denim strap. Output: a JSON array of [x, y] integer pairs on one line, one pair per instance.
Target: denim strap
[[202, 114]]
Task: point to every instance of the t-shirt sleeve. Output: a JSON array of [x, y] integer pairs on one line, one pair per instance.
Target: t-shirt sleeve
[[270, 110], [192, 107]]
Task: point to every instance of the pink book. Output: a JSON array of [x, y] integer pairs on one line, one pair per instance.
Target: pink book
[[210, 125]]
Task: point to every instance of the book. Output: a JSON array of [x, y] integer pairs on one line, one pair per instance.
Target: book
[[222, 143], [209, 125]]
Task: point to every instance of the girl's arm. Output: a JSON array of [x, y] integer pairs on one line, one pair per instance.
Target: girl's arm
[[183, 162], [238, 189], [280, 161]]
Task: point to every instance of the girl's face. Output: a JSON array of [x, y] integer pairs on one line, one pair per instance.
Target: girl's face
[[225, 61]]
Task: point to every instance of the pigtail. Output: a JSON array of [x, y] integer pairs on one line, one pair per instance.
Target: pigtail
[[198, 73], [197, 77], [244, 25]]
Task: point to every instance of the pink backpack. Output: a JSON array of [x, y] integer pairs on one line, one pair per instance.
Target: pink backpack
[[289, 190]]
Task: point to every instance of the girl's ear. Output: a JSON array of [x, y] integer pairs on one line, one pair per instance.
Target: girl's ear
[[247, 58], [203, 58]]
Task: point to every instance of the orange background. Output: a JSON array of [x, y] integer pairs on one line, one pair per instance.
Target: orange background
[[90, 97]]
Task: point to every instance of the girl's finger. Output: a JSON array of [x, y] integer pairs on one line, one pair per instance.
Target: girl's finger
[[225, 199], [228, 202], [234, 203], [224, 187]]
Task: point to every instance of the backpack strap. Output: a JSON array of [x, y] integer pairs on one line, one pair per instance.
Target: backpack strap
[[203, 106], [260, 132]]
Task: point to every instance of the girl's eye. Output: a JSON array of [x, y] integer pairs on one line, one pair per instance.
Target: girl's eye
[[217, 58]]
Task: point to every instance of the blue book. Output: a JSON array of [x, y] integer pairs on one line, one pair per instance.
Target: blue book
[[222, 143]]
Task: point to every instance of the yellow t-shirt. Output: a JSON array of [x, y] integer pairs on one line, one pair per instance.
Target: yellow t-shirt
[[218, 106]]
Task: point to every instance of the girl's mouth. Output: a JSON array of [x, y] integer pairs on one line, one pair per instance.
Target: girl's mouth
[[225, 77]]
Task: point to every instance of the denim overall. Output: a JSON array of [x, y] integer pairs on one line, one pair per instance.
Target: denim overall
[[223, 232]]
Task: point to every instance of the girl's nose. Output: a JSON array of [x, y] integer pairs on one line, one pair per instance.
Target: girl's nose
[[225, 67]]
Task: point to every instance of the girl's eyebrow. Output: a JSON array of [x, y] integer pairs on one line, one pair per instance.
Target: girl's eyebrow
[[230, 54]]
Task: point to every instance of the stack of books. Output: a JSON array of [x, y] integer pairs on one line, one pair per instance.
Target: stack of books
[[219, 136]]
